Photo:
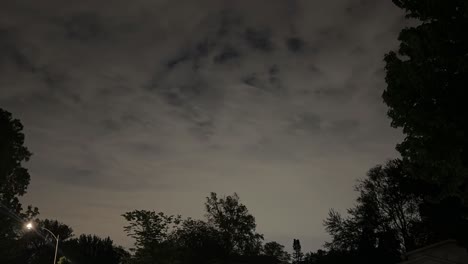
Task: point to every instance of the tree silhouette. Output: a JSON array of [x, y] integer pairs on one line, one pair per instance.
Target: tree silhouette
[[236, 224], [227, 235], [198, 242], [385, 221], [153, 235], [297, 252], [276, 250], [426, 90], [426, 81], [388, 187], [149, 227], [14, 180], [91, 249], [41, 244]]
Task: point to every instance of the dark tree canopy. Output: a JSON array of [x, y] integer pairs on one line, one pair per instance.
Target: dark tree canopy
[[91, 249], [426, 91], [149, 227], [297, 252], [40, 244], [384, 222], [62, 230], [388, 189], [14, 180], [430, 10], [426, 95], [276, 250], [236, 224], [199, 242], [227, 235]]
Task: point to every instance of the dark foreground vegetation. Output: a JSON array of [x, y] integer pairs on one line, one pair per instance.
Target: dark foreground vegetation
[[403, 204]]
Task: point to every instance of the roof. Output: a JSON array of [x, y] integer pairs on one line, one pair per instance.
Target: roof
[[428, 254], [442, 243]]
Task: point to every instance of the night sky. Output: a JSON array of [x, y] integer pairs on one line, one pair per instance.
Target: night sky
[[152, 104]]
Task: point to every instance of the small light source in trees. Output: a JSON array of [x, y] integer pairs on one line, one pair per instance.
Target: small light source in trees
[[29, 226]]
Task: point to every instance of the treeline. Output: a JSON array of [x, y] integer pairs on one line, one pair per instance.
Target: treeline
[[227, 235], [390, 217], [402, 204]]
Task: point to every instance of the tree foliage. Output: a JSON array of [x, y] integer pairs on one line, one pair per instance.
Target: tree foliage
[[276, 250], [426, 93], [40, 244], [235, 223], [388, 189], [91, 249], [228, 232], [198, 241], [384, 221], [297, 252], [14, 180], [426, 90], [149, 227]]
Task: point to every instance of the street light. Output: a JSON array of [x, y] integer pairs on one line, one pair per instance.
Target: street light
[[30, 226]]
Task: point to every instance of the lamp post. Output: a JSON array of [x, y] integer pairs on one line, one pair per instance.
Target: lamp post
[[30, 226]]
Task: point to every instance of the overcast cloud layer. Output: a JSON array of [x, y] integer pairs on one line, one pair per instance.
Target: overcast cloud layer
[[153, 104]]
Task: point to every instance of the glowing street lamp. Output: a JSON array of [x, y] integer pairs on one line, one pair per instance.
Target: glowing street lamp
[[30, 226]]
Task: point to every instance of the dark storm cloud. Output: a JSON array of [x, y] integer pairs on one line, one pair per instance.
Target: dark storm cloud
[[229, 20], [342, 93], [110, 125], [83, 27], [356, 9], [217, 44], [306, 121], [345, 126], [227, 54], [154, 104], [11, 55], [332, 34], [274, 76], [51, 78], [252, 80], [91, 179], [295, 44], [75, 176], [259, 39], [147, 148], [181, 58], [268, 80]]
